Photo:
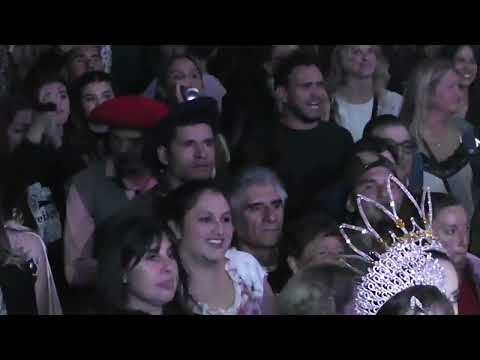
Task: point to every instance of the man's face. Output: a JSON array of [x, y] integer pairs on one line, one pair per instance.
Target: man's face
[[306, 94], [260, 221], [127, 147], [192, 153], [373, 184], [85, 58], [401, 140]]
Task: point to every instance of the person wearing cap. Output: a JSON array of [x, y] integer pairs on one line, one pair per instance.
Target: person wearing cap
[[183, 145], [109, 186]]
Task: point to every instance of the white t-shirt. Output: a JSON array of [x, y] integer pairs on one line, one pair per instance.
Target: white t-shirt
[[391, 104], [354, 117]]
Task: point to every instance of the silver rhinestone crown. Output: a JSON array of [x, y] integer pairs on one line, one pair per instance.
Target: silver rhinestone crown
[[406, 261]]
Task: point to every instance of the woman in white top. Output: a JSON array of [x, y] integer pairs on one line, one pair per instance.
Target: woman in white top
[[352, 80]]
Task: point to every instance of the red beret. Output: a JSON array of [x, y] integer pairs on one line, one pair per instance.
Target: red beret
[[130, 112]]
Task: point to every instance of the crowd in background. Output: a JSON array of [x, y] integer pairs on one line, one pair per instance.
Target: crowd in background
[[208, 180]]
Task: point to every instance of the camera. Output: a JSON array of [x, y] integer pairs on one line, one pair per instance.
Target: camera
[[190, 94], [45, 107]]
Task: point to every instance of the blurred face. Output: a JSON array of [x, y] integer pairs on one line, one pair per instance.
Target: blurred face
[[94, 94], [17, 129], [85, 58], [306, 94], [192, 153], [400, 139], [153, 281], [359, 60], [382, 75], [373, 184], [126, 147], [322, 249], [207, 228], [260, 222], [466, 65], [57, 94], [451, 283], [183, 72], [447, 96], [452, 229]]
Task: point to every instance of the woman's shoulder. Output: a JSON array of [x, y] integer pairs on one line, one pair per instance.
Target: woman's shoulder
[[24, 239], [245, 268]]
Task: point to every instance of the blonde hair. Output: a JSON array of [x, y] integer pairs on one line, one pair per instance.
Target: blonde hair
[[420, 89], [337, 75]]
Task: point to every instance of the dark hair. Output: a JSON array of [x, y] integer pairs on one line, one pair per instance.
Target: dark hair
[[449, 51], [287, 65], [203, 110], [303, 231], [201, 51], [382, 121], [324, 289], [9, 107], [89, 77], [431, 298], [356, 167], [181, 200], [125, 241], [441, 201], [47, 69]]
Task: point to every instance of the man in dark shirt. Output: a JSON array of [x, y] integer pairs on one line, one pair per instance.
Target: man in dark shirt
[[306, 152]]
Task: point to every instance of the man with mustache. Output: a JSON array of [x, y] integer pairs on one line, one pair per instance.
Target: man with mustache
[[109, 187]]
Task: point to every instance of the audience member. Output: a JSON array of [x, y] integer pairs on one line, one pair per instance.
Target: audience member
[[139, 270], [257, 200], [222, 280]]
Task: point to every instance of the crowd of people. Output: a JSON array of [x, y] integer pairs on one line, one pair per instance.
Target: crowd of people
[[240, 180]]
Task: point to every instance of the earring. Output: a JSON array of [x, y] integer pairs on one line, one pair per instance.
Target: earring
[[124, 279]]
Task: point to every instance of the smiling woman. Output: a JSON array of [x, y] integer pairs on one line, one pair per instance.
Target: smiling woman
[[222, 281]]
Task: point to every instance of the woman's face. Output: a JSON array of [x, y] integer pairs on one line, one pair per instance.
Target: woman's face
[[18, 128], [183, 72], [451, 283], [207, 228], [466, 65], [452, 229], [152, 283], [57, 94], [447, 96], [359, 60], [95, 94]]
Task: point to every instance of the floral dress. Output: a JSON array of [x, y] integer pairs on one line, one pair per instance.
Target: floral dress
[[248, 278]]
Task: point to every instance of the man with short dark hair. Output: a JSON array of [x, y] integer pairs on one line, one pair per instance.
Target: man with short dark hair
[[307, 153], [184, 144]]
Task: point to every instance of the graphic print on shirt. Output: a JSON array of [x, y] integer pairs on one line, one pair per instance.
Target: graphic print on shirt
[[45, 213]]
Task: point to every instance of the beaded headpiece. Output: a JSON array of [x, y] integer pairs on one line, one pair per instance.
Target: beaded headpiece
[[406, 262]]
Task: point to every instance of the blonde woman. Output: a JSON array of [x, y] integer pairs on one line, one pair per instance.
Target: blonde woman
[[447, 144], [352, 83]]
